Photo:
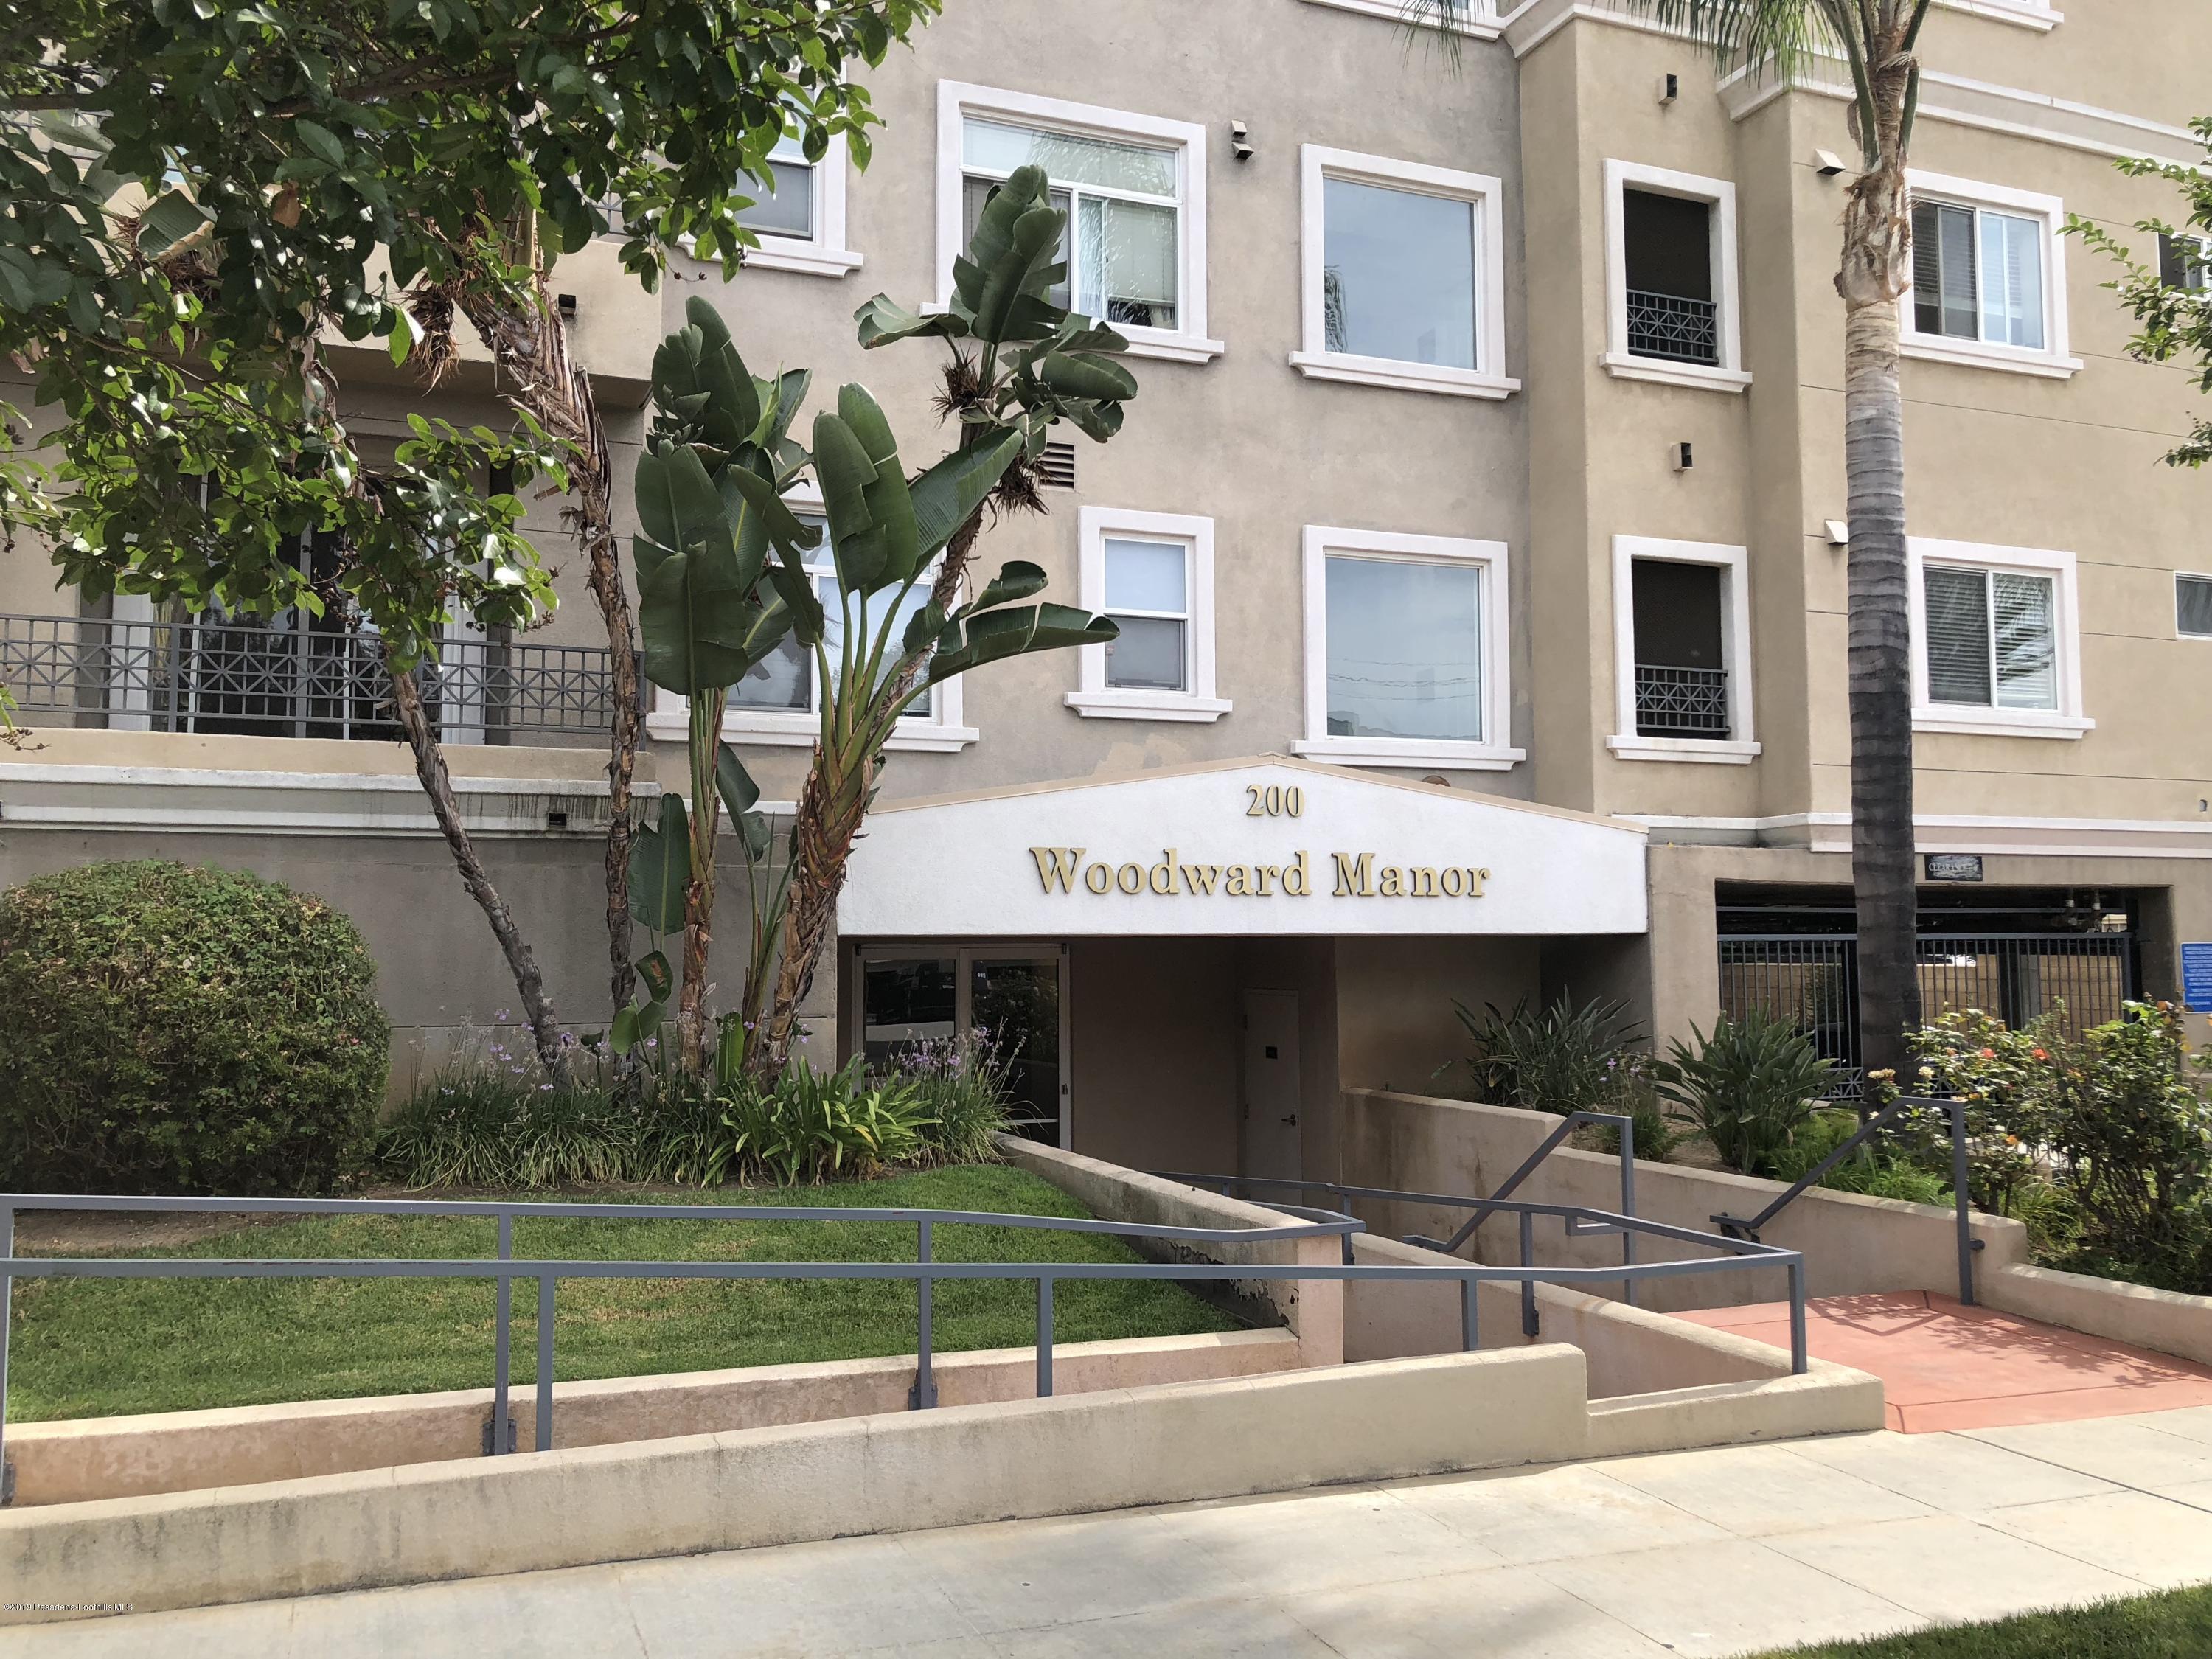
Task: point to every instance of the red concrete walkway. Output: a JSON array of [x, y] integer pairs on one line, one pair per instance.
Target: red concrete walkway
[[1944, 1366]]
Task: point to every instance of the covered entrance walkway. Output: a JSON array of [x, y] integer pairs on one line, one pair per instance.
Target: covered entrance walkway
[[1946, 1366]]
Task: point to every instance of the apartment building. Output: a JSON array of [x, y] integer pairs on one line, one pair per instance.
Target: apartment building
[[1475, 540]]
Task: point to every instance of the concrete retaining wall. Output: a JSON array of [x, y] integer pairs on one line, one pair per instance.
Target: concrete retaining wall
[[87, 1458], [2167, 1321], [896, 1472], [1851, 1243], [888, 1472], [1314, 1310]]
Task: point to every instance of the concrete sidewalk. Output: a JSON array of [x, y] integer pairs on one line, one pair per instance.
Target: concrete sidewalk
[[1705, 1553]]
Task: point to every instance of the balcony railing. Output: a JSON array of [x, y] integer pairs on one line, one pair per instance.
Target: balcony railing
[[1666, 326], [1681, 703], [277, 679]]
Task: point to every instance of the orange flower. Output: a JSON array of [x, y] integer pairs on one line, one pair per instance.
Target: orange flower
[[2040, 1054], [1989, 1053]]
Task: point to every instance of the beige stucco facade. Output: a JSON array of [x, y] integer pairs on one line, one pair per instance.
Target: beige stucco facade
[[1540, 463]]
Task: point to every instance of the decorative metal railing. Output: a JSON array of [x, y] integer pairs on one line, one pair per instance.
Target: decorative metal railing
[[1668, 325], [1681, 703], [281, 679]]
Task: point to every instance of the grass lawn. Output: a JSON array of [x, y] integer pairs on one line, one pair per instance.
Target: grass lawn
[[99, 1347], [2177, 1625]]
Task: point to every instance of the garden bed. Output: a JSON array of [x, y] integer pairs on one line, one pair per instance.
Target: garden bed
[[94, 1348]]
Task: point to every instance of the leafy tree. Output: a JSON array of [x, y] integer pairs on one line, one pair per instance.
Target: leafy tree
[[1879, 39], [2170, 294], [199, 199]]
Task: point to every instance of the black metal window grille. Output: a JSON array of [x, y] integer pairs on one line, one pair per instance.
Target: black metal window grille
[[1668, 326], [276, 680], [1681, 703]]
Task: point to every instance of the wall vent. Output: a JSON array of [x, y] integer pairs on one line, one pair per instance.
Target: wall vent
[[1057, 470]]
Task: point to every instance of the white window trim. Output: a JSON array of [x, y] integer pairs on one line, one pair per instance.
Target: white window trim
[[1187, 343], [2029, 14], [1488, 378], [1481, 23], [1734, 564], [1728, 375], [1097, 700], [940, 731], [823, 253], [2179, 577], [1495, 753], [2055, 360], [2067, 721]]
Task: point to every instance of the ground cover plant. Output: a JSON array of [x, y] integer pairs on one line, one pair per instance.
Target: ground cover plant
[[94, 1348], [2177, 1625]]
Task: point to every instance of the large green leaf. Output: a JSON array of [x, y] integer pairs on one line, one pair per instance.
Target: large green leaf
[[660, 868], [883, 321], [1018, 579], [733, 783], [1086, 375], [1025, 190], [678, 502], [701, 633], [1024, 271], [949, 492], [889, 504], [970, 641], [846, 471], [171, 219]]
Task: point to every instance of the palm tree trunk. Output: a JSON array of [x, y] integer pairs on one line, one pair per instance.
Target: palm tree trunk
[[531, 347], [438, 785], [1876, 252]]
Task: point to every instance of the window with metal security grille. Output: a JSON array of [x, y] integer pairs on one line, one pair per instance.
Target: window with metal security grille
[[1977, 274], [1992, 638], [2182, 262], [1123, 202], [1682, 676], [2192, 606], [1056, 470], [1666, 244]]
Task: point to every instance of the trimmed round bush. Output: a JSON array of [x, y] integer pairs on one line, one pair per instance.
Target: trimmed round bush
[[164, 1029]]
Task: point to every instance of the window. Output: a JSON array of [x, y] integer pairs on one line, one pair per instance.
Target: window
[[2182, 261], [1406, 650], [1997, 635], [2192, 606], [801, 223], [1403, 276], [1152, 572], [1987, 279], [777, 703], [1681, 651], [1478, 18], [1670, 278], [1133, 187]]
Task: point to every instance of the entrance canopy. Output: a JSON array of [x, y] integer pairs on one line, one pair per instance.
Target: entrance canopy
[[1263, 847]]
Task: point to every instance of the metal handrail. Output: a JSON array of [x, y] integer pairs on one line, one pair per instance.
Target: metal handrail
[[505, 1268], [1956, 1112]]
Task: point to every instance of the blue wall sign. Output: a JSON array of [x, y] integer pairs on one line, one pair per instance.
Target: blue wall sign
[[2196, 976]]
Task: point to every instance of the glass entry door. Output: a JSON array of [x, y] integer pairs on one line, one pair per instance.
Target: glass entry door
[[1010, 999]]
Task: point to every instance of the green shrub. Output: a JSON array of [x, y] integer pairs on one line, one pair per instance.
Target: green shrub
[[2004, 1078], [176, 1029], [1749, 1087], [1559, 1058], [814, 1125], [1878, 1169], [961, 1083]]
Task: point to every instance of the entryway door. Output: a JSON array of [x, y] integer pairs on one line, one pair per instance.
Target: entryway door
[[1273, 1147]]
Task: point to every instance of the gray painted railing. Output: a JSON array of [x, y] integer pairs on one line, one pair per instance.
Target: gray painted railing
[[1954, 1112], [504, 1269]]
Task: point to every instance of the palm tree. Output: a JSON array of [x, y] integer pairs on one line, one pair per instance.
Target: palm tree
[[1878, 40]]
